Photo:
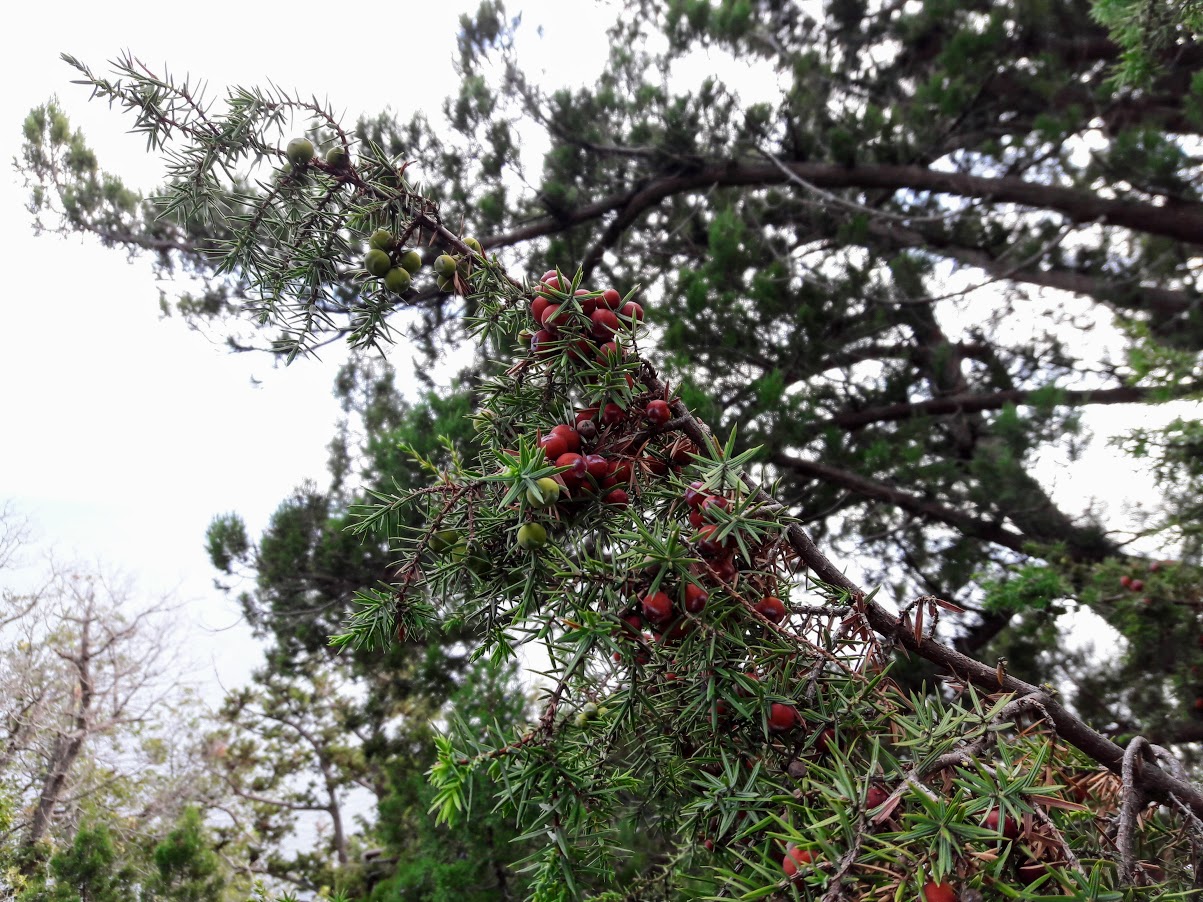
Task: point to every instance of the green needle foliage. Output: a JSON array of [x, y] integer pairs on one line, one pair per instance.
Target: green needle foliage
[[90, 869], [188, 868], [839, 266], [365, 716], [740, 727], [1149, 34], [834, 277]]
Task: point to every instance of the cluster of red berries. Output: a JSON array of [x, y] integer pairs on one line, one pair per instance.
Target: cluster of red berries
[[1132, 585], [586, 472], [595, 460], [720, 553], [659, 610], [587, 325], [1136, 584], [671, 611], [668, 610]]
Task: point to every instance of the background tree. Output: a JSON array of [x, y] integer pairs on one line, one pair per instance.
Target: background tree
[[96, 868], [365, 718], [188, 868], [91, 869], [98, 756], [81, 674], [901, 143], [288, 755]]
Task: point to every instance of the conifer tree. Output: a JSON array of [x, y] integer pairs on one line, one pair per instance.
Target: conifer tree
[[840, 264], [91, 870], [188, 870], [793, 261]]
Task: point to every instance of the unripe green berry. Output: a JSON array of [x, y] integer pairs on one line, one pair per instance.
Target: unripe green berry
[[412, 261], [445, 284], [382, 239], [531, 536], [377, 262], [589, 709], [483, 420], [337, 157], [548, 493], [293, 176], [444, 539], [397, 280], [299, 151], [474, 245], [444, 265]]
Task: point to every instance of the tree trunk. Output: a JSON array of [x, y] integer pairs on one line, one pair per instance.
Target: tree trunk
[[67, 748]]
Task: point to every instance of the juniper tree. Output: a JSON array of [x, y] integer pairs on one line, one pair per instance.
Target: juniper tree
[[795, 258], [756, 732], [841, 264]]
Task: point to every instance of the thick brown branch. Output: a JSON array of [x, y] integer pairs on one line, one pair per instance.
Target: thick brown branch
[[1177, 734], [980, 529], [1184, 223], [973, 403], [1164, 303]]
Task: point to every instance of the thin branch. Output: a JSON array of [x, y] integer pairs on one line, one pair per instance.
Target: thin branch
[[970, 525]]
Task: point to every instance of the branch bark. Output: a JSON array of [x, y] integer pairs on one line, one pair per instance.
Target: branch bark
[[67, 746], [980, 529], [1166, 305], [975, 403], [1181, 223]]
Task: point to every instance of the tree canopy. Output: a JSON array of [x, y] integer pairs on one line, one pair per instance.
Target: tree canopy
[[902, 277]]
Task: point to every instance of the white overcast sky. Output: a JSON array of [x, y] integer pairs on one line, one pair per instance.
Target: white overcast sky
[[124, 434]]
